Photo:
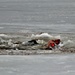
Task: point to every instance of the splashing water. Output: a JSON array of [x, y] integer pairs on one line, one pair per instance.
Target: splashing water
[[67, 42]]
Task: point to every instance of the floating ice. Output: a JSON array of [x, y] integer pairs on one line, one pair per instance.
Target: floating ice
[[3, 35], [45, 36], [68, 44]]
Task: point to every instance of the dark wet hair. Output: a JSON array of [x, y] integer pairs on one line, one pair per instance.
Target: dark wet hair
[[57, 41]]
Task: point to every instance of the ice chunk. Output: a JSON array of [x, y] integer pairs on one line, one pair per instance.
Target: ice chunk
[[3, 35], [44, 36]]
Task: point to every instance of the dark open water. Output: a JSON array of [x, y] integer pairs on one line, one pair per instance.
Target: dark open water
[[56, 16]]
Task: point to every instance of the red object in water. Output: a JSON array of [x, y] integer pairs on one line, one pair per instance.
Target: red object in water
[[51, 44]]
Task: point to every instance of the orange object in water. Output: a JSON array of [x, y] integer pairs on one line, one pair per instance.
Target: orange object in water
[[51, 44]]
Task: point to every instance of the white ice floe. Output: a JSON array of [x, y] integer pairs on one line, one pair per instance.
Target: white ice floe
[[3, 35], [45, 36]]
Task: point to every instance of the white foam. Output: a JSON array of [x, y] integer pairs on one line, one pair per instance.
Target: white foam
[[9, 36], [68, 44], [3, 35], [45, 36]]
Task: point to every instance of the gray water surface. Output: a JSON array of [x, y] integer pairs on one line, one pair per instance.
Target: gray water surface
[[63, 64], [56, 16]]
